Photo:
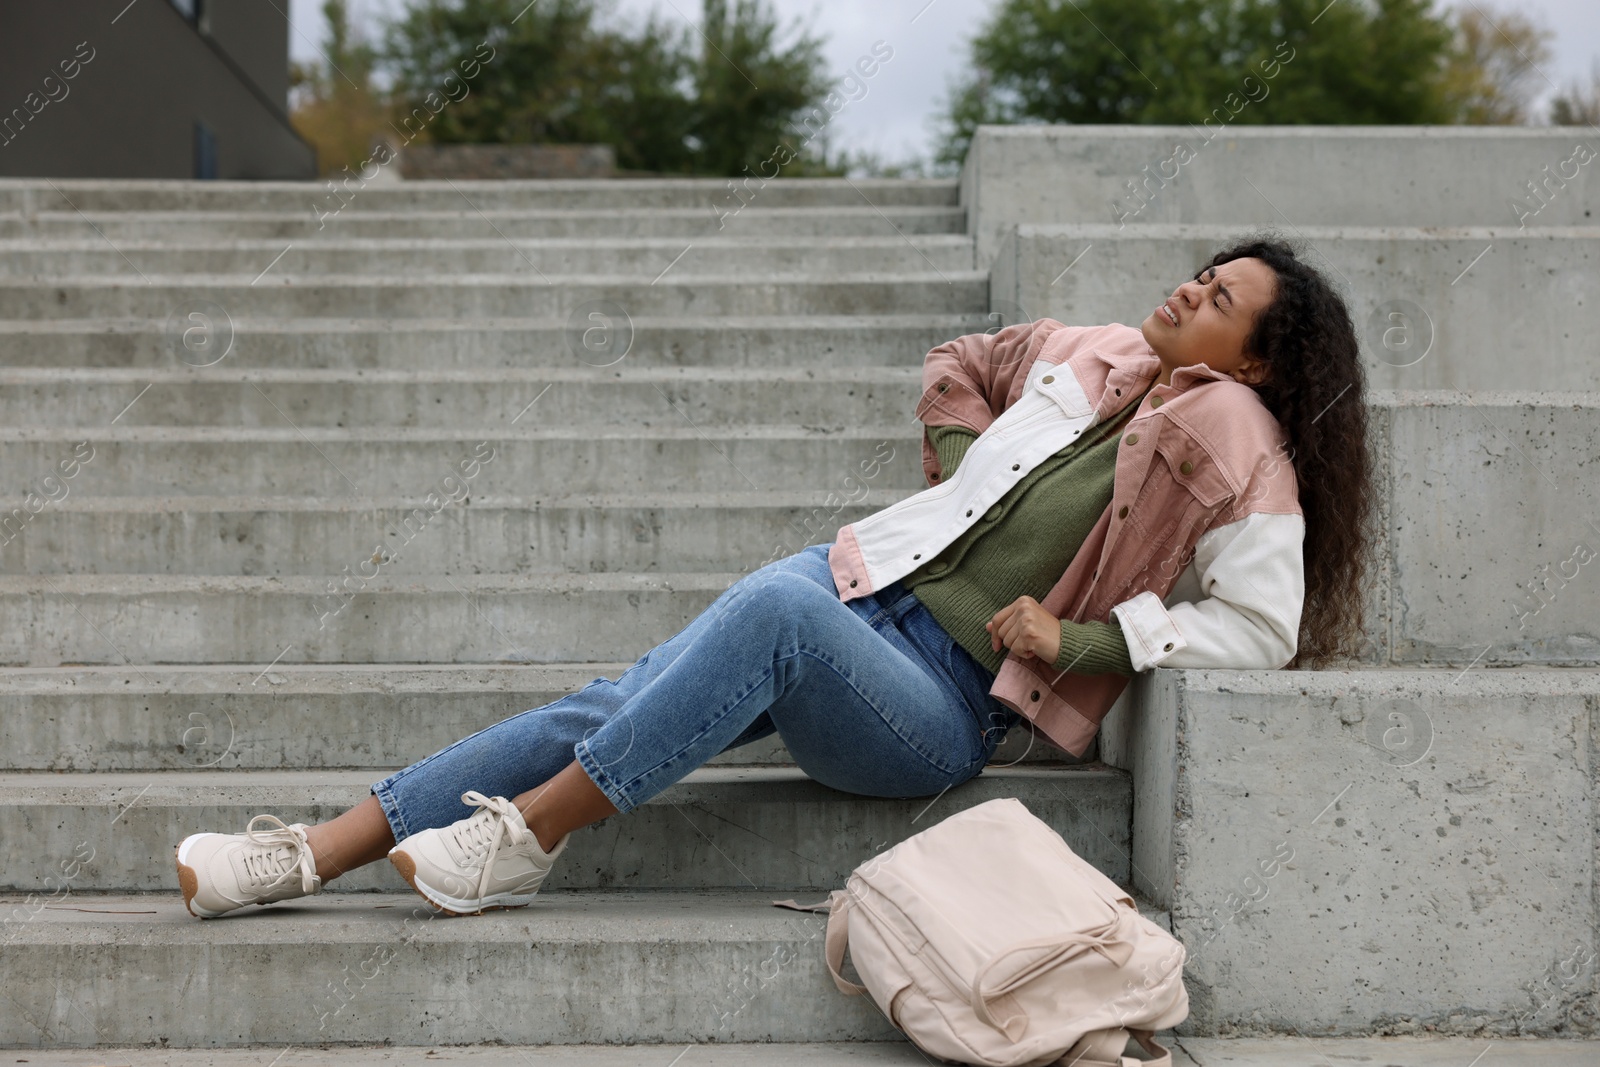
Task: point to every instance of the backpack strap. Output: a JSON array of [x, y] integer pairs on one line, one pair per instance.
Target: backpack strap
[[1104, 1048], [1147, 1038], [821, 905], [987, 987], [838, 938]]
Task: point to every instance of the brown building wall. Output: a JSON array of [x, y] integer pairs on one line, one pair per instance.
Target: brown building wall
[[141, 78]]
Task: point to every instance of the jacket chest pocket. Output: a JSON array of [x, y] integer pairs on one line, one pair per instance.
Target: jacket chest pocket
[[1182, 462]]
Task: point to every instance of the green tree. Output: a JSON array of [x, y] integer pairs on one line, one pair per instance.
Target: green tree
[[535, 86], [1178, 61], [749, 91], [647, 101], [667, 98]]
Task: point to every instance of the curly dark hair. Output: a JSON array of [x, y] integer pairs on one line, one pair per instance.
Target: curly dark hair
[[1316, 388]]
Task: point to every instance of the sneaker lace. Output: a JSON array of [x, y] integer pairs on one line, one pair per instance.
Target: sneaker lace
[[496, 821], [283, 851]]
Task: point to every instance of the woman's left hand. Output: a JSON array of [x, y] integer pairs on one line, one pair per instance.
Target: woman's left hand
[[1027, 629]]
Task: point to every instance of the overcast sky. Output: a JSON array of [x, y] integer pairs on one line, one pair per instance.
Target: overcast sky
[[896, 119]]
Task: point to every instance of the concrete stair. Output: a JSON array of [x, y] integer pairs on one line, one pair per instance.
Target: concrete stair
[[709, 966], [438, 344], [168, 663], [460, 221], [433, 256], [146, 694]]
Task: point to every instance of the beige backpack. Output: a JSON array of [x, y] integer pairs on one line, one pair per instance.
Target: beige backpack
[[987, 940]]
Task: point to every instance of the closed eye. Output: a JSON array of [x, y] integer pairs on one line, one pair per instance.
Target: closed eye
[[1222, 289]]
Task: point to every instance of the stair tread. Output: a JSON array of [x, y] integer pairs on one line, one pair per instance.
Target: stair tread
[[735, 916], [796, 496], [187, 785], [499, 432], [200, 282], [222, 374], [420, 323], [265, 214], [499, 1054], [389, 244]]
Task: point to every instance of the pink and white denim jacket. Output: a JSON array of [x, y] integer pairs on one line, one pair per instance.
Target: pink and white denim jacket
[[1198, 555]]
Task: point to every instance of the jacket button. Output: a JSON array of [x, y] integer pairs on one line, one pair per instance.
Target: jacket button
[[1119, 392], [852, 583], [1016, 466], [969, 513], [1122, 512], [1155, 401], [943, 386], [1096, 574], [1035, 694], [1048, 378], [935, 477], [1133, 438], [1185, 467], [917, 555], [1168, 647]]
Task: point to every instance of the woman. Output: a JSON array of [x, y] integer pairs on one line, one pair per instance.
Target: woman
[[893, 661]]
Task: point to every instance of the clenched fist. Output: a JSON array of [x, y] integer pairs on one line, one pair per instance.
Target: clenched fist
[[1027, 629]]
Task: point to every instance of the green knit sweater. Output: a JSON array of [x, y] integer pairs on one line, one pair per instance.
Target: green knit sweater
[[1022, 545]]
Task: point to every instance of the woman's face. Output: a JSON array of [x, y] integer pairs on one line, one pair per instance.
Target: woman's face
[[1215, 312]]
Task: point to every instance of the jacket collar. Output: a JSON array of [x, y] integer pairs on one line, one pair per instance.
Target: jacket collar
[[1199, 371], [1134, 372]]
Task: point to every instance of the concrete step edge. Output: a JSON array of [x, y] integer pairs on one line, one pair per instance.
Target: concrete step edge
[[277, 325], [722, 499], [562, 214], [208, 281], [504, 433], [736, 916], [311, 586], [343, 678], [187, 787], [825, 242], [221, 374]]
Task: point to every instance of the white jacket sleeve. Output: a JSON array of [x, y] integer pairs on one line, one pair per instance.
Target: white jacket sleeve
[[1252, 585]]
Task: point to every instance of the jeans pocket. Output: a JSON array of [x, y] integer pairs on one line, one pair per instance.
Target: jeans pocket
[[975, 681], [957, 672]]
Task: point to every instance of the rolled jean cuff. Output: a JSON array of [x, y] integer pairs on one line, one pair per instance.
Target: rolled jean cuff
[[391, 811], [604, 782]]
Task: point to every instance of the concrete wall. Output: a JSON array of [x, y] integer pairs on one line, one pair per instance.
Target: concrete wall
[[502, 161], [141, 79], [1367, 851], [1280, 175], [1478, 307]]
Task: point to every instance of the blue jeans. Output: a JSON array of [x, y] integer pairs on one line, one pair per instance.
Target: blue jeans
[[870, 697]]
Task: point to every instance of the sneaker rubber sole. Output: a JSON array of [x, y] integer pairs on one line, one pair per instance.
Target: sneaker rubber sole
[[452, 905], [189, 878]]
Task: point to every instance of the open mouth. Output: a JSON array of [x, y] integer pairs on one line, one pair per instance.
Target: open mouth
[[1165, 310]]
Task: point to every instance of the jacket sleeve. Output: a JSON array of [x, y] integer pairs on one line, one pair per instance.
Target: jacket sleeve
[[1093, 648], [1252, 577], [966, 381], [951, 443]]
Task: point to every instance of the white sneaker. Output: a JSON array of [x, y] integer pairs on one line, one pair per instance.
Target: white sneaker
[[221, 872], [488, 860]]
